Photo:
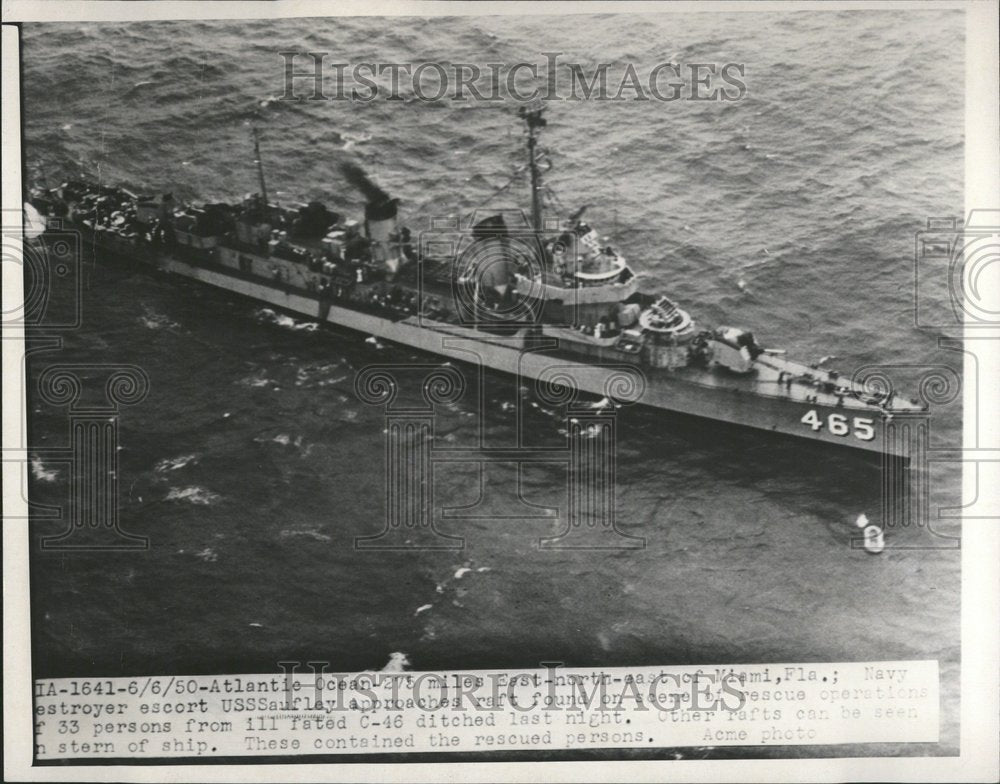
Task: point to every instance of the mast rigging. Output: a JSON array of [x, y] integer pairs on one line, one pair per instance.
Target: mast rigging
[[260, 165], [532, 116]]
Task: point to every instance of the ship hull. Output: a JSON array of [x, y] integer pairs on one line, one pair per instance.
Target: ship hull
[[666, 390]]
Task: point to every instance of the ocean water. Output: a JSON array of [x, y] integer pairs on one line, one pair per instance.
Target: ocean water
[[252, 466]]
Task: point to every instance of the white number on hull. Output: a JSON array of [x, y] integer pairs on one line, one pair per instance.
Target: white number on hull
[[837, 424], [864, 429], [812, 420]]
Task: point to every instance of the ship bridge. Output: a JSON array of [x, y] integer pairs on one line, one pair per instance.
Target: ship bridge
[[582, 271]]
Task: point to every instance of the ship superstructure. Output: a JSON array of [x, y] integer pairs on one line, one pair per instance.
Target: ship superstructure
[[507, 282]]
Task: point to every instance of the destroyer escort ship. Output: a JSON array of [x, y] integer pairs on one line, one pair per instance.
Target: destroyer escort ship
[[529, 294]]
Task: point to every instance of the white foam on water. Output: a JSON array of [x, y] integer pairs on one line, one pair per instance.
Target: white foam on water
[[268, 316], [314, 376], [351, 139], [255, 381], [151, 319], [41, 473], [309, 533], [193, 495]]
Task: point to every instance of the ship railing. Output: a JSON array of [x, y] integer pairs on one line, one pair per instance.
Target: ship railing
[[582, 334]]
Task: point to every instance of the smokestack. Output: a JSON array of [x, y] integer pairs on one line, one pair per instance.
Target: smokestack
[[490, 262], [381, 226]]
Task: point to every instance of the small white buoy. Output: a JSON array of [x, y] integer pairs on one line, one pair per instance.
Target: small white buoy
[[862, 520], [874, 539]]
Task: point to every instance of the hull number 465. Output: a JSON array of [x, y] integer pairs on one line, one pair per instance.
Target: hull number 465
[[840, 425]]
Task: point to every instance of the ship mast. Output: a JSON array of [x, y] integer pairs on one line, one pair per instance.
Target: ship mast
[[532, 116], [260, 166]]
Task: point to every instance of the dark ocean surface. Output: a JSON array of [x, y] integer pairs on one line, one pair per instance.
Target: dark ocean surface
[[252, 466]]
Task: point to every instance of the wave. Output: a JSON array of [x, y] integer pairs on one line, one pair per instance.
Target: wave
[[352, 139], [174, 463], [281, 438], [311, 376], [310, 533]]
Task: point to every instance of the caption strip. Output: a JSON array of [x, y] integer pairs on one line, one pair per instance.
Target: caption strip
[[481, 711]]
